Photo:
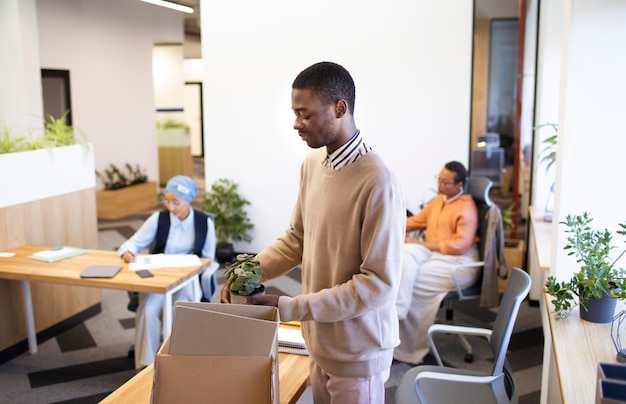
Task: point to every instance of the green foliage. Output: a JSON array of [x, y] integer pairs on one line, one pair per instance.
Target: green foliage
[[507, 217], [597, 276], [231, 219], [244, 275], [548, 154], [114, 178], [11, 143], [173, 123], [56, 134]]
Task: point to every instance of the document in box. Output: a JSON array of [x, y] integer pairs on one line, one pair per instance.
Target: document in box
[[156, 261]]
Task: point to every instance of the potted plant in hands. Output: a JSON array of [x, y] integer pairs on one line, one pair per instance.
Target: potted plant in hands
[[231, 219], [597, 281], [243, 278]]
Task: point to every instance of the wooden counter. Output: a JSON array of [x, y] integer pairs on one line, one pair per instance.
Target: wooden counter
[[293, 373], [572, 347], [578, 347]]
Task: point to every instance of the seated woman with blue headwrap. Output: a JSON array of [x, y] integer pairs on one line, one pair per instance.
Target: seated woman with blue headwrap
[[179, 229]]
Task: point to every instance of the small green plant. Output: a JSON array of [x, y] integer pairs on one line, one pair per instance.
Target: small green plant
[[10, 142], [548, 153], [56, 133], [173, 123], [114, 178], [231, 219], [244, 275], [597, 276], [507, 217]]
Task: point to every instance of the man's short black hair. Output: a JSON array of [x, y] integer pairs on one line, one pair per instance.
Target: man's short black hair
[[328, 80], [458, 169]]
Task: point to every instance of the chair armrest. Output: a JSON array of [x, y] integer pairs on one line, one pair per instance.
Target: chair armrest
[[459, 329], [424, 377], [457, 269], [453, 329]]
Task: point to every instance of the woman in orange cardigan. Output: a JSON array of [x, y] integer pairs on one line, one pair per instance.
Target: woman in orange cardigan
[[450, 221]]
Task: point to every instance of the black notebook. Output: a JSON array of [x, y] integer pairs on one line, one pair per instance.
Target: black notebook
[[100, 271]]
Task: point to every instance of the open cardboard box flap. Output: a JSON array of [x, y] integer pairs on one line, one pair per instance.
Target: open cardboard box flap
[[221, 348], [219, 329]]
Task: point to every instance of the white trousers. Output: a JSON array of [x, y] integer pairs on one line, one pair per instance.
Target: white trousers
[[426, 279], [148, 325]]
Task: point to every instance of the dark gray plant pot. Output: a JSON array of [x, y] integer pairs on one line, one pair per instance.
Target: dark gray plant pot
[[599, 310], [236, 298], [225, 254]]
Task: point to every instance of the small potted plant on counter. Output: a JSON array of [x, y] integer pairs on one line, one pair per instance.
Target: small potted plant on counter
[[598, 281], [244, 278]]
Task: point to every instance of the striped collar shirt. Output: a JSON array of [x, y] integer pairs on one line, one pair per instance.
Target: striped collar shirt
[[348, 153]]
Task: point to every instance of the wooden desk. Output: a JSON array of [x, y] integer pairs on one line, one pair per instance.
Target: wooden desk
[[293, 374], [67, 271], [578, 347]]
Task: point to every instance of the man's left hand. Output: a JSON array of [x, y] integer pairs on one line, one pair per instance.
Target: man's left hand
[[263, 300]]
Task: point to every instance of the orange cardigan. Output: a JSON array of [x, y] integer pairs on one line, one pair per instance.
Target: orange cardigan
[[453, 225]]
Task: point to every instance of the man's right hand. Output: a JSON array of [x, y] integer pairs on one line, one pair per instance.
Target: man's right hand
[[225, 294]]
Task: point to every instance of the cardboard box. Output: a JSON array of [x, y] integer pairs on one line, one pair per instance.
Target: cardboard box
[[219, 353]]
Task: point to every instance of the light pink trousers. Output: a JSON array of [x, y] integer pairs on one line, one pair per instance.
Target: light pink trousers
[[329, 389]]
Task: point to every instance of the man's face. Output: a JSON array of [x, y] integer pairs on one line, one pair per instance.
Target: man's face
[[447, 183], [315, 122]]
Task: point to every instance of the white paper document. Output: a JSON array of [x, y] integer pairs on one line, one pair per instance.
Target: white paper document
[[156, 261]]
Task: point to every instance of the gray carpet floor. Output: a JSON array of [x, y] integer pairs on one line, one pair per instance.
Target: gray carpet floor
[[89, 360]]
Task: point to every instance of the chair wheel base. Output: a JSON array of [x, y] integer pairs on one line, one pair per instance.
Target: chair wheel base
[[469, 358]]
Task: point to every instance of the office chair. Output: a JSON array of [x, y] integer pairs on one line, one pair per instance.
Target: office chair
[[478, 188], [440, 384]]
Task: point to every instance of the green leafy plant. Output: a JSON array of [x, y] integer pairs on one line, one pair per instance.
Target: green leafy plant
[[10, 142], [114, 178], [231, 219], [507, 217], [173, 123], [548, 153], [56, 133], [597, 276], [244, 275]]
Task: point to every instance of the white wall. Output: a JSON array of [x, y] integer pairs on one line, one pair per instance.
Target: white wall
[[21, 104], [412, 78], [592, 129], [107, 46]]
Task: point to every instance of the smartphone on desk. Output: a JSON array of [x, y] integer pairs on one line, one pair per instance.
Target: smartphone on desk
[[144, 273]]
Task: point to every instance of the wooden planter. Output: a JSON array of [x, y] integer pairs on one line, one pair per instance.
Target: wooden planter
[[119, 203], [514, 251]]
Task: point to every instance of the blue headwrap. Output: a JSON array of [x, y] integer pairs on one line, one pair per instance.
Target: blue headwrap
[[183, 187]]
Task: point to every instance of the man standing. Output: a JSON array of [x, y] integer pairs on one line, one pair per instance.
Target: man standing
[[347, 231]]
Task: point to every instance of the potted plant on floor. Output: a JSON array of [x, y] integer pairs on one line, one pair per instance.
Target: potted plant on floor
[[598, 280], [514, 248], [243, 278], [125, 192], [231, 219]]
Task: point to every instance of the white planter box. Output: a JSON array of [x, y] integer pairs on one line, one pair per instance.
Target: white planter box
[[38, 174]]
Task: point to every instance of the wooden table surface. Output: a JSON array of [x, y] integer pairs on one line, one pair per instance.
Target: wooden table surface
[[293, 374], [579, 346], [67, 271]]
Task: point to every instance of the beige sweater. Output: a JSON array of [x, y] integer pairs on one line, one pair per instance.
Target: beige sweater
[[347, 230]]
